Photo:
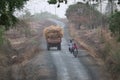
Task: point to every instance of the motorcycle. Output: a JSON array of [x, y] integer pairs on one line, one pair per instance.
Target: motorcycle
[[75, 52], [71, 50]]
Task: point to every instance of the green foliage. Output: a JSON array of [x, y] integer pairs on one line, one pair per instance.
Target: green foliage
[[7, 8], [114, 24], [8, 20], [57, 1], [52, 1]]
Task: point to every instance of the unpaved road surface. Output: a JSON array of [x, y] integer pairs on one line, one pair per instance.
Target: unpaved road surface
[[68, 67], [61, 65]]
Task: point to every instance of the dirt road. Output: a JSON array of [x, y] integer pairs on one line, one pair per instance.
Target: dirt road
[[61, 65]]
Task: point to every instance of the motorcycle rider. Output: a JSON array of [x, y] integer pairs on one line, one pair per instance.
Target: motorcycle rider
[[71, 44], [75, 48]]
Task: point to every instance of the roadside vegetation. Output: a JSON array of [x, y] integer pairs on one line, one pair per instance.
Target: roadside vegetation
[[8, 52], [97, 33], [91, 27], [112, 46], [20, 42]]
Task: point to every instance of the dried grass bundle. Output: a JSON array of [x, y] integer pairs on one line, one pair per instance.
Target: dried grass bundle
[[53, 32]]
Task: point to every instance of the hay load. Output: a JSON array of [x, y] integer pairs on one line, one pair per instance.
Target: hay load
[[53, 32], [53, 36]]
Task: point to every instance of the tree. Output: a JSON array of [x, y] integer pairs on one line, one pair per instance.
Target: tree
[[115, 24], [27, 14], [7, 9], [83, 14], [57, 2], [111, 7]]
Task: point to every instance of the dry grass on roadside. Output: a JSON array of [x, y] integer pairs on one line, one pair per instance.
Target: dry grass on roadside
[[81, 38], [112, 55], [19, 39], [6, 51], [100, 44], [23, 45]]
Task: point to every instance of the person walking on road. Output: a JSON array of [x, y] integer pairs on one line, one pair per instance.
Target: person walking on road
[[70, 44]]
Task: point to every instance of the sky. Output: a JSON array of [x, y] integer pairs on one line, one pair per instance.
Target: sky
[[37, 6]]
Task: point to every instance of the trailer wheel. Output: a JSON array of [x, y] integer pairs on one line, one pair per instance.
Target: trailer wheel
[[48, 47], [59, 47]]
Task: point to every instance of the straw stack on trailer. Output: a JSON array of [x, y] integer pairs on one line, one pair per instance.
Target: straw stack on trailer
[[53, 35], [53, 32]]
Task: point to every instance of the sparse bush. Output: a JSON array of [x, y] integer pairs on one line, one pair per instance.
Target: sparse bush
[[115, 25], [1, 34], [22, 29], [112, 59], [106, 51], [111, 54]]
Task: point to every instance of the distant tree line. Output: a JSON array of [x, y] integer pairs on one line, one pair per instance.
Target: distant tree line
[[84, 14], [8, 7]]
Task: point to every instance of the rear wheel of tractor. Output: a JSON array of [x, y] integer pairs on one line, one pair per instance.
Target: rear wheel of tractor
[[75, 53], [59, 47], [48, 48]]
